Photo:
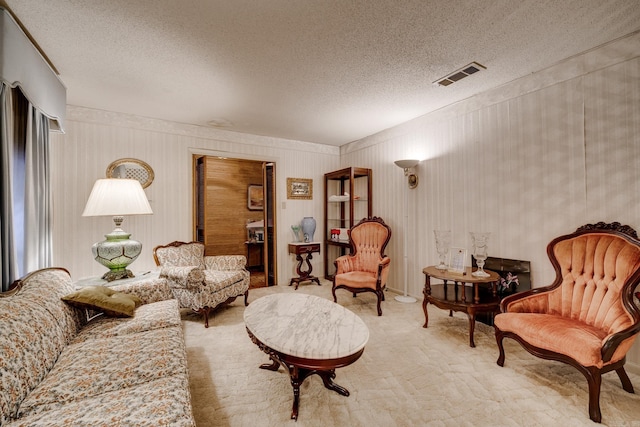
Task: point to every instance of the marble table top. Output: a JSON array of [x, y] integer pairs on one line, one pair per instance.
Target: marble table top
[[97, 281], [305, 326]]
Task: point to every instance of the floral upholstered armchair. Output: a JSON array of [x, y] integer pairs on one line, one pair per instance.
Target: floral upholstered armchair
[[366, 268], [587, 317], [201, 282]]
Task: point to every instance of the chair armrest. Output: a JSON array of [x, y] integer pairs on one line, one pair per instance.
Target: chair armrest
[[611, 342], [183, 277], [532, 301], [344, 264], [383, 270], [225, 262]]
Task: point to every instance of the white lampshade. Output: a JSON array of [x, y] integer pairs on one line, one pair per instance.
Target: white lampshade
[[115, 196]]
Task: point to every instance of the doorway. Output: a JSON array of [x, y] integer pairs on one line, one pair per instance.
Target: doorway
[[234, 212]]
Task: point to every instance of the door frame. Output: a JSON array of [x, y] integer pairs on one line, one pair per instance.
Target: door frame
[[271, 244]]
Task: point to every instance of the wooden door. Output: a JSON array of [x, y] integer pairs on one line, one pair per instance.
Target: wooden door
[[225, 193]]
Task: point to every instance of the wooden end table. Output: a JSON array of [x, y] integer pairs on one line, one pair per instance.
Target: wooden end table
[[470, 300], [300, 250], [286, 327]]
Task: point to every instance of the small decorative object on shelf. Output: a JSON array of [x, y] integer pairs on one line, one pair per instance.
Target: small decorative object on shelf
[[296, 233], [480, 252], [443, 241], [255, 231], [457, 257], [509, 284]]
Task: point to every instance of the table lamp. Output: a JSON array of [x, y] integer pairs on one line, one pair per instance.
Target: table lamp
[[117, 197]]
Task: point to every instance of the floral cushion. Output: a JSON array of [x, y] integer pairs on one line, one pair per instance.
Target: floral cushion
[[225, 262], [102, 365], [183, 277], [163, 314], [162, 402], [150, 290], [186, 254]]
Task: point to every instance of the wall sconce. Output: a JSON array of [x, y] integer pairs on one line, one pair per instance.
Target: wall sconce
[[409, 171]]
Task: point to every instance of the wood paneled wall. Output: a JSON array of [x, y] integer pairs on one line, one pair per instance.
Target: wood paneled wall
[[226, 209]]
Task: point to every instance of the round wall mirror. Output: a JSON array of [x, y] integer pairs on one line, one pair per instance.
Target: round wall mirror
[[131, 169]]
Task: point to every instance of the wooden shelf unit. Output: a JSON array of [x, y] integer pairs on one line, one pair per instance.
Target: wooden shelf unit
[[344, 214]]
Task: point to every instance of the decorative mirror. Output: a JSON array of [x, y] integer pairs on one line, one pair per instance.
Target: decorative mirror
[[131, 169]]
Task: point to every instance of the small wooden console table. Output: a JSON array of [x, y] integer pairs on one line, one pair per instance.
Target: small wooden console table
[[470, 300], [306, 249]]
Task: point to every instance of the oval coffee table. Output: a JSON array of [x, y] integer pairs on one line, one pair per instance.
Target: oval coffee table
[[305, 335]]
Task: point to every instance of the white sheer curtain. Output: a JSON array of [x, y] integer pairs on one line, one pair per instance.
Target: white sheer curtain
[[25, 203]]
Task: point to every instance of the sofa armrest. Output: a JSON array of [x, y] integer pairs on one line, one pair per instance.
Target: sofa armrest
[[148, 291], [183, 277], [225, 262]]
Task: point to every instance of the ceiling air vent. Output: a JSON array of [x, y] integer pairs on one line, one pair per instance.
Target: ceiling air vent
[[465, 71]]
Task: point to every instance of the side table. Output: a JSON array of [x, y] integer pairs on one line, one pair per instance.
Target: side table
[[470, 300], [97, 281], [303, 252]]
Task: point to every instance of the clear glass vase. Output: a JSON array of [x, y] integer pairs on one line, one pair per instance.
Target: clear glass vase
[[443, 242], [480, 252]]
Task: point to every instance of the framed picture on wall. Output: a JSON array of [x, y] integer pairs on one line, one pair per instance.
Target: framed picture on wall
[[255, 198], [299, 188]]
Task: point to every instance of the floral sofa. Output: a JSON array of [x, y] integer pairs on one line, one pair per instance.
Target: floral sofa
[[59, 368]]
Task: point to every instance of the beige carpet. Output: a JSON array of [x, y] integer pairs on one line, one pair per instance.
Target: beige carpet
[[407, 376]]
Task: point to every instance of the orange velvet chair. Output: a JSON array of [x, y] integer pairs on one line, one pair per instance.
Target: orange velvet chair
[[587, 317], [366, 268]]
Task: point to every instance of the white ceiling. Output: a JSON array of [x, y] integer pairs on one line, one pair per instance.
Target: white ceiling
[[324, 71]]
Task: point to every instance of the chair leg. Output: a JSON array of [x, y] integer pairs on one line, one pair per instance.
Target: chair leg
[[333, 291], [499, 338], [246, 298], [380, 298], [624, 379], [205, 311], [594, 379]]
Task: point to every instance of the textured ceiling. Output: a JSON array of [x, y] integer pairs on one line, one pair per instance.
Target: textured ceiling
[[325, 71]]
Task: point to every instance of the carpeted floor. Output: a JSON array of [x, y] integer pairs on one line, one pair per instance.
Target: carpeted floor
[[407, 376]]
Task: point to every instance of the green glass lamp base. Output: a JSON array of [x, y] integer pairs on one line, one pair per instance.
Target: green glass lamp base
[[116, 253]]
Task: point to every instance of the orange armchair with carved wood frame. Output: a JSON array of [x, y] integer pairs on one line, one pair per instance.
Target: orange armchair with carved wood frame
[[587, 317], [366, 268]]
